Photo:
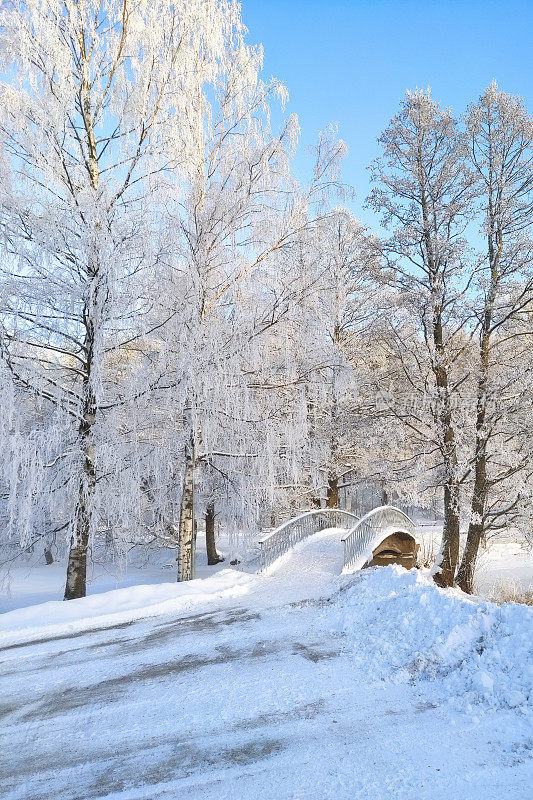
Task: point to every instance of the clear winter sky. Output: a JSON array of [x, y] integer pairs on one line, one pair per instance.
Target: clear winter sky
[[350, 61]]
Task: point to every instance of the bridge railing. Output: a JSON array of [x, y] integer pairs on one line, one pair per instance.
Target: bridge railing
[[280, 540], [368, 532]]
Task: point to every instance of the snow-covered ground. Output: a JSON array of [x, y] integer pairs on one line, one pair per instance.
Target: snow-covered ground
[[504, 560], [301, 684], [501, 560], [33, 582]]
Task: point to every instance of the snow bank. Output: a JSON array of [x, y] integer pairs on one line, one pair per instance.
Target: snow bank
[[402, 628], [120, 605]]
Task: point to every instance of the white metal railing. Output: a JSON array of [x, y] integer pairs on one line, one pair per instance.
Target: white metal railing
[[276, 543], [370, 530]]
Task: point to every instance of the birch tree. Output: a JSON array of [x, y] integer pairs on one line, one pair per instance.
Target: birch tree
[[239, 215], [92, 108], [217, 221], [340, 307]]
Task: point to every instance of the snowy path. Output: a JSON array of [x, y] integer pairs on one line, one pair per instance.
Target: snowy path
[[256, 696]]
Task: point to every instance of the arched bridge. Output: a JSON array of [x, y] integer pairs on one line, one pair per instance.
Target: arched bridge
[[381, 526]]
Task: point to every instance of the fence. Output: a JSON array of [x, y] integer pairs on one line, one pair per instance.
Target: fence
[[370, 530], [276, 543]]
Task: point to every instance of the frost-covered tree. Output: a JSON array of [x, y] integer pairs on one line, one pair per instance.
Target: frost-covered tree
[[233, 225], [500, 155], [461, 310], [222, 228], [94, 108], [424, 193], [340, 307]]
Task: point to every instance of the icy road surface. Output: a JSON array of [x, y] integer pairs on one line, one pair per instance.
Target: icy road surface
[[300, 684]]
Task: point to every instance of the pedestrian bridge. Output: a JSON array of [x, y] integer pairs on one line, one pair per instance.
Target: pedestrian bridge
[[384, 533]]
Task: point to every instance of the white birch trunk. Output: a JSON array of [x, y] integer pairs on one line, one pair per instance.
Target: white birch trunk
[[187, 533]]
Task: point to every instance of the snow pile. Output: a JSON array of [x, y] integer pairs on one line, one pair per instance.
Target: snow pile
[[119, 606], [401, 627]]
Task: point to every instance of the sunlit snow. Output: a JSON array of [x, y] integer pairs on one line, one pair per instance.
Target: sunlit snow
[[297, 684]]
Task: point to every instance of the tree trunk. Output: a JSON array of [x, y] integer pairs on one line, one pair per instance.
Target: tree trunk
[[212, 556], [76, 584], [444, 574], [332, 497], [465, 574], [476, 528], [449, 551], [48, 556], [187, 532], [77, 560]]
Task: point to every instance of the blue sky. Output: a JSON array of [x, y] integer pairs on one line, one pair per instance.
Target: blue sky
[[351, 62]]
